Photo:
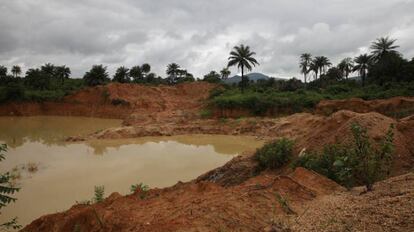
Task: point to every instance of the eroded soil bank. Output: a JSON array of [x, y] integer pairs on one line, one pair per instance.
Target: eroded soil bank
[[234, 197]]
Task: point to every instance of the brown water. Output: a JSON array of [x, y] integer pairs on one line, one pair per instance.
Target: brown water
[[68, 172]]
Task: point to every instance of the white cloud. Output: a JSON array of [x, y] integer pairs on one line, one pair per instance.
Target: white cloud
[[197, 34]]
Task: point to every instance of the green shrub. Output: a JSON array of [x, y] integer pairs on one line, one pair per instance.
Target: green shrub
[[205, 113], [99, 193], [359, 162], [275, 154], [143, 189]]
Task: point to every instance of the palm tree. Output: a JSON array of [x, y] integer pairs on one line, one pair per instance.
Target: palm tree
[[16, 70], [96, 76], [322, 62], [48, 69], [243, 58], [121, 75], [63, 72], [382, 47], [346, 66], [313, 66], [305, 61], [362, 64], [173, 71], [136, 73], [225, 73], [3, 71]]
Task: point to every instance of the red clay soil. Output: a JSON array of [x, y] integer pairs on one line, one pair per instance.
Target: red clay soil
[[202, 206], [136, 102], [394, 107]]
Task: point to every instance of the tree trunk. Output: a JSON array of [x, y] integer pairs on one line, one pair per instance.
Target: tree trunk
[[363, 78], [242, 79]]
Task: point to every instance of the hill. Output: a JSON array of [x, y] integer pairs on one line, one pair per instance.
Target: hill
[[252, 77]]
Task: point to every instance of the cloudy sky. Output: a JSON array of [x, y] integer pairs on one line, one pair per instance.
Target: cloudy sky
[[197, 34]]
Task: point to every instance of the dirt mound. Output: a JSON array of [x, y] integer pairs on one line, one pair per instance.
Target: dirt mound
[[202, 206], [135, 103], [397, 107], [390, 207]]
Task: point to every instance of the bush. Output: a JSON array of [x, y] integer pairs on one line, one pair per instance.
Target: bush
[[99, 193], [205, 113], [275, 154], [357, 163]]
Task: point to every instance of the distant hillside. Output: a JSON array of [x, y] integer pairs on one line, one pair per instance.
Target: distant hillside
[[252, 76]]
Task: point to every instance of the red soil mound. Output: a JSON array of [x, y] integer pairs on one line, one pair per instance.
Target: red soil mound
[[394, 107], [136, 102], [203, 206]]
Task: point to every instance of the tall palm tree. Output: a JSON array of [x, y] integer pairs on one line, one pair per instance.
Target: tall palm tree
[[16, 70], [313, 66], [173, 71], [323, 63], [346, 66], [362, 63], [3, 71], [242, 57], [48, 69], [136, 73], [121, 75], [63, 72], [383, 46], [305, 61], [225, 73]]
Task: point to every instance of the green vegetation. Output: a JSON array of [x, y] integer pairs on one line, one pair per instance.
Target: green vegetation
[[142, 188], [274, 154], [6, 191], [205, 113], [382, 74], [284, 204], [99, 192], [359, 162], [274, 98]]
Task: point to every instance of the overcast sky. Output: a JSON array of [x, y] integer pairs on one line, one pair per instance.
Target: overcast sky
[[196, 34]]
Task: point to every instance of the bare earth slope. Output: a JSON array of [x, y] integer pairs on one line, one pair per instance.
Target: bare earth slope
[[122, 101]]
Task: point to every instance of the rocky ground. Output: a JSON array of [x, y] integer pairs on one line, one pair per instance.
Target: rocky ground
[[234, 197]]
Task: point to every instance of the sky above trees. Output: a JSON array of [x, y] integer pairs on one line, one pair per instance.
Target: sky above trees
[[196, 34]]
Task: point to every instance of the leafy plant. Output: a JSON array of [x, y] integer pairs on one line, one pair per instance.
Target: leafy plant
[[359, 162], [142, 188], [275, 154], [6, 190], [99, 193]]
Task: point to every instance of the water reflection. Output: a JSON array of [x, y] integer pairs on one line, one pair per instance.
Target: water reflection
[[67, 172], [49, 130]]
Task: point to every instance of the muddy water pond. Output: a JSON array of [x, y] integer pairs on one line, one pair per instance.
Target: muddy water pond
[[53, 174]]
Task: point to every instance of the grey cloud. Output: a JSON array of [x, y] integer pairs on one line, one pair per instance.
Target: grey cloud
[[197, 34]]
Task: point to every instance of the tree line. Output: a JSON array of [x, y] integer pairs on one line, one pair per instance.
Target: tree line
[[383, 64]]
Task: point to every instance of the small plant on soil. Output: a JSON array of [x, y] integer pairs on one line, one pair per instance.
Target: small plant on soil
[[99, 193], [284, 204], [275, 154], [205, 113], [359, 162], [142, 188]]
